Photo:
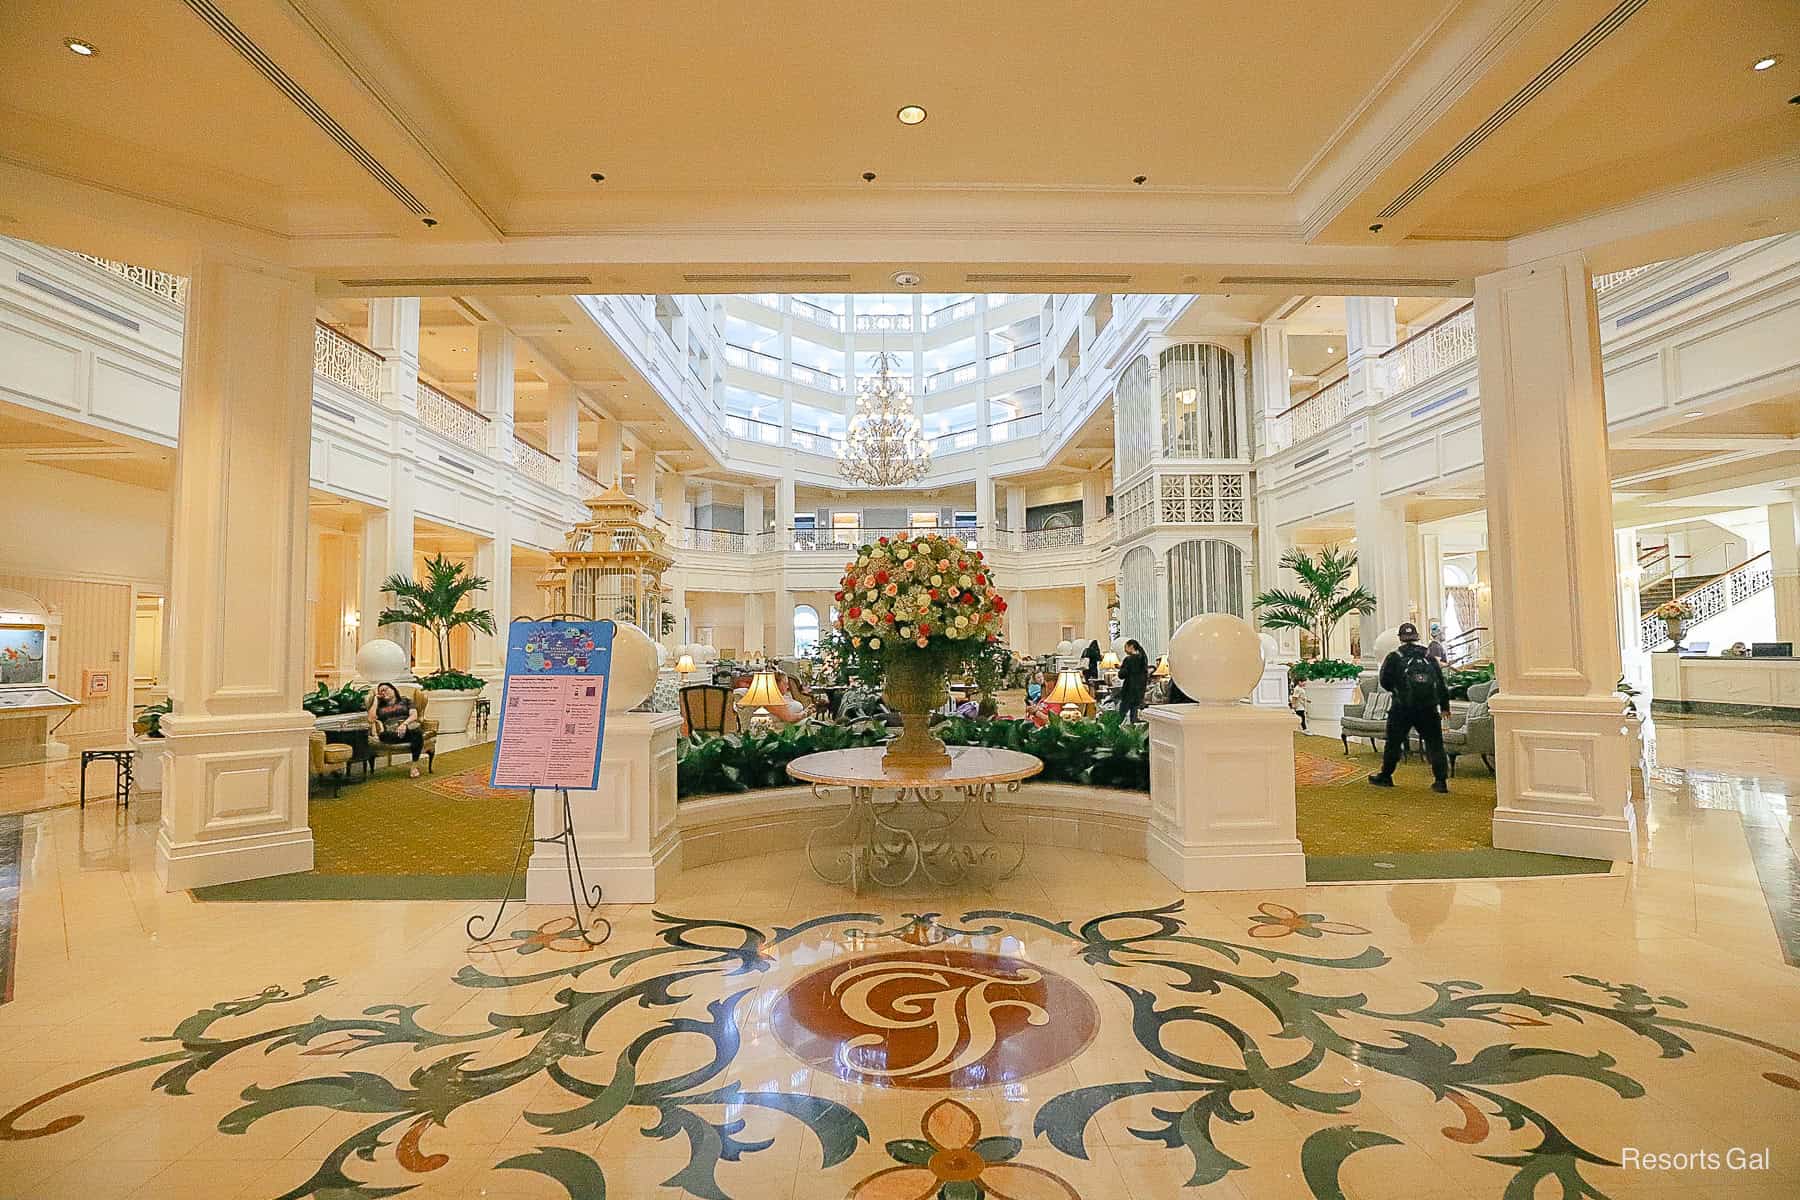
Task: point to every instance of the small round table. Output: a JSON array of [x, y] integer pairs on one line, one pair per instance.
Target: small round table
[[871, 843]]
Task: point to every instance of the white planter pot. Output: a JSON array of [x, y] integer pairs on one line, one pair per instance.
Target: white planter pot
[[452, 710], [1326, 700], [147, 763]]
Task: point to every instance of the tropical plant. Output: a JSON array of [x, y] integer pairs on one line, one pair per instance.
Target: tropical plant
[[1323, 599], [1459, 680], [435, 605], [451, 681], [1326, 669], [323, 702], [668, 623], [149, 719]]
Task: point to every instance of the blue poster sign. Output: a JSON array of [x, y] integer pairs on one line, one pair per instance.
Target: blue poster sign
[[553, 704]]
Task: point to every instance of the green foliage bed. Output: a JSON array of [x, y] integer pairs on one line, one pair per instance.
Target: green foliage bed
[[1100, 752]]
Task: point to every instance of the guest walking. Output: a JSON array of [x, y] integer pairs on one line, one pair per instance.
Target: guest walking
[[1421, 701], [1134, 680]]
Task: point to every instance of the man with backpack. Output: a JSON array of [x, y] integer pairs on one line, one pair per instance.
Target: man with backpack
[[1421, 701]]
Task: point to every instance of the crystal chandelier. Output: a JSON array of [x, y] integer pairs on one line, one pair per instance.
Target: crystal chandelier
[[885, 445]]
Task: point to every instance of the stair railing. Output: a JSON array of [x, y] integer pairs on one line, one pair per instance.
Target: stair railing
[[1728, 588]]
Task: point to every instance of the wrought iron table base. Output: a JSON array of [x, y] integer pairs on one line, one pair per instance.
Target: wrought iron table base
[[868, 844]]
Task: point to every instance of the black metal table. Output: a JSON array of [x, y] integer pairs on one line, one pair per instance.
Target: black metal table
[[122, 765]]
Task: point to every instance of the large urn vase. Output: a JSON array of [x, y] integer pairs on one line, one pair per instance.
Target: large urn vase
[[913, 686]]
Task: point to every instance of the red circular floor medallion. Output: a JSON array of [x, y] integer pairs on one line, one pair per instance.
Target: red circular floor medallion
[[936, 1017]]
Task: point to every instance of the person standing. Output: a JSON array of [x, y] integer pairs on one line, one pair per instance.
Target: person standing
[[1134, 680], [1091, 658], [1421, 701], [1436, 647]]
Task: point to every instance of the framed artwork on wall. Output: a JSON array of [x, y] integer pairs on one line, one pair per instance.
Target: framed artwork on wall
[[96, 685]]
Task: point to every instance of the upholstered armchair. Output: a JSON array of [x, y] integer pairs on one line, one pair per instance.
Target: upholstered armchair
[[420, 699], [330, 761], [1471, 730], [1371, 720], [706, 709]]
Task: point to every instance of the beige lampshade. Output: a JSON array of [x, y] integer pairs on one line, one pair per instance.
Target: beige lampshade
[[764, 692], [1162, 667], [1069, 690], [1108, 661], [685, 663]]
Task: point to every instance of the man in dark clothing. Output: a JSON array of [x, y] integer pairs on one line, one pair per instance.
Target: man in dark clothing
[[1421, 701]]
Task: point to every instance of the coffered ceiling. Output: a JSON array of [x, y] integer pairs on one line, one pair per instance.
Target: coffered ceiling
[[451, 147]]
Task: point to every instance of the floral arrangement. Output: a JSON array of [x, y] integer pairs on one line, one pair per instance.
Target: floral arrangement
[[931, 593], [1673, 609]]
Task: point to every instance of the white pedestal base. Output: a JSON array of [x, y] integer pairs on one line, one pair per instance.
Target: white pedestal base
[[234, 799], [625, 830], [1272, 689], [1222, 798], [1564, 768], [1325, 703]]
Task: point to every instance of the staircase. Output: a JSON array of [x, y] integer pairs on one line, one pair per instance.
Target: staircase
[[1666, 589], [1712, 596]]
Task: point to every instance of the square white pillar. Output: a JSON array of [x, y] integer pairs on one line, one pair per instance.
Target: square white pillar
[[235, 776], [1563, 749], [625, 831], [1222, 798]]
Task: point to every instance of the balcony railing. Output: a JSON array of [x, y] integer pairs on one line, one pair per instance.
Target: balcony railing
[[730, 541], [344, 360], [950, 377], [1324, 409], [1027, 355], [884, 323], [818, 314], [754, 360], [955, 439], [450, 417], [1047, 539], [1014, 428], [752, 430], [158, 283], [840, 540], [817, 443], [535, 464], [1433, 350], [813, 377], [952, 312], [1606, 283]]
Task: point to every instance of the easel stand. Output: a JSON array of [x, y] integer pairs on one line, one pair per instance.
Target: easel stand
[[580, 895]]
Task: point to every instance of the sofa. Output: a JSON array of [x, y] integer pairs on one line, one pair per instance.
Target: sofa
[[1369, 721], [420, 699]]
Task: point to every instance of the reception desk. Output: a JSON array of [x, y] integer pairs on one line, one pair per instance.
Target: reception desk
[[1726, 686]]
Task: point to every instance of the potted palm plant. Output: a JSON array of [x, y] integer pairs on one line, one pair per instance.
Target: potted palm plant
[[435, 604], [1321, 602]]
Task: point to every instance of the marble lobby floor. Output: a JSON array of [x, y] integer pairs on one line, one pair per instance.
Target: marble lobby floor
[[1081, 1030]]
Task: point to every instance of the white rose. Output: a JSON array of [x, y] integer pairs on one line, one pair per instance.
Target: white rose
[[869, 594], [961, 621], [936, 580], [966, 581], [874, 643]]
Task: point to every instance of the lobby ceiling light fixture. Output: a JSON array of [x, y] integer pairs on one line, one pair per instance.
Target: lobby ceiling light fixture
[[1765, 62], [84, 48], [911, 114], [884, 445]]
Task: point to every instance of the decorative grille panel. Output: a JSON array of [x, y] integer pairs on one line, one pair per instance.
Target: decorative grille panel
[[1199, 402], [1137, 599], [1205, 575], [1136, 431]]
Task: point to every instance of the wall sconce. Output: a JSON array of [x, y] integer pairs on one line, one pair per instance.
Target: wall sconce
[[352, 621]]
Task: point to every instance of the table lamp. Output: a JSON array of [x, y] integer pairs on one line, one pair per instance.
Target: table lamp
[[684, 666], [1109, 661], [1070, 693], [763, 693], [1162, 667]]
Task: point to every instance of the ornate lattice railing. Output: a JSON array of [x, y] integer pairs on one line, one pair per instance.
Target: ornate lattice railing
[[1324, 409], [346, 361], [535, 464], [159, 283], [728, 540], [1713, 597], [450, 417], [1047, 539], [1197, 499], [1433, 350]]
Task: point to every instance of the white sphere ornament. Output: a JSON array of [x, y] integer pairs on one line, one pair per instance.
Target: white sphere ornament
[[1270, 647], [634, 666], [382, 661], [1216, 658], [662, 654], [1386, 643]]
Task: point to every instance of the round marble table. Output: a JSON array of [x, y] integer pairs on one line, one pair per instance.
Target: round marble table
[[889, 842]]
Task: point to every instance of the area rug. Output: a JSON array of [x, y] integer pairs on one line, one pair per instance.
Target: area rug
[[1352, 830], [443, 836]]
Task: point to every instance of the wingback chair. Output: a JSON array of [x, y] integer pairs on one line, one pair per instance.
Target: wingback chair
[[1471, 730], [330, 760], [706, 708], [420, 699]]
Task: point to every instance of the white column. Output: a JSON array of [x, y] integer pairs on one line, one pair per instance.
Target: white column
[[1634, 659], [1093, 499], [1015, 514], [1563, 752], [1164, 617], [643, 478], [1431, 575], [607, 457], [494, 387], [755, 524], [1018, 621], [236, 756], [784, 623], [784, 511], [1380, 564], [1369, 330], [563, 424], [394, 334], [984, 506], [755, 626], [493, 562], [1269, 378], [1093, 611], [1784, 557]]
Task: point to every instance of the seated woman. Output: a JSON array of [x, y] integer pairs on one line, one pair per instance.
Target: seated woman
[[392, 719], [790, 711]]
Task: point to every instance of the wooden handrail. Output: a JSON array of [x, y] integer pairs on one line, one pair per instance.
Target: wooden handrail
[[1444, 320], [1312, 395], [533, 445], [372, 352], [1712, 579], [464, 405]]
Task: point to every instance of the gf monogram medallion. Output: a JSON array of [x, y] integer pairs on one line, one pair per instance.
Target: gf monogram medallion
[[940, 1017]]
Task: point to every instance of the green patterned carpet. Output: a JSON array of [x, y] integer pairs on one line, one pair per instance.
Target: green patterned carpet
[[448, 836]]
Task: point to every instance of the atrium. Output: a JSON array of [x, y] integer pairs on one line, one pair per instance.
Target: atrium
[[1208, 624]]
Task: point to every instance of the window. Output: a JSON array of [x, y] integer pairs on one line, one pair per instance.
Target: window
[[1205, 575], [923, 520], [846, 530], [806, 628]]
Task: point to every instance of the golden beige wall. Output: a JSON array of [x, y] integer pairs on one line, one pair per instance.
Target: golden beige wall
[[96, 635]]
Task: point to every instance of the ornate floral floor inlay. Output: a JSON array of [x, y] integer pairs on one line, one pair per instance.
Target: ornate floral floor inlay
[[937, 1018], [1220, 1051]]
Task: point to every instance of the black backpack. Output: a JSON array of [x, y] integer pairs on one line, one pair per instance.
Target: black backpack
[[1418, 682]]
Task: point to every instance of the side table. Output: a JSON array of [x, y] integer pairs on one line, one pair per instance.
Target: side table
[[122, 765]]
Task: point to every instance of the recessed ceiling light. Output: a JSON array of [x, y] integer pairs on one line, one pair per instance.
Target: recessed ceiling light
[[1331, 349], [1761, 64], [87, 49], [1693, 416], [911, 114]]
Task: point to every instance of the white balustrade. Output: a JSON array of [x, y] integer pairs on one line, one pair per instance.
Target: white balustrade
[[450, 417], [158, 283], [535, 464], [1431, 352], [343, 360]]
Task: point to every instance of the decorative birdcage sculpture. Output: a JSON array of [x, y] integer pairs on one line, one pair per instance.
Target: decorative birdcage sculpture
[[611, 565]]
